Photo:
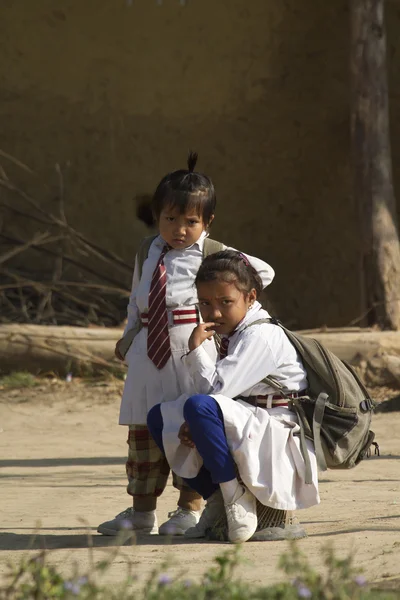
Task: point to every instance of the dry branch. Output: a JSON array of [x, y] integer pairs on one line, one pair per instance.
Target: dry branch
[[37, 240], [57, 277]]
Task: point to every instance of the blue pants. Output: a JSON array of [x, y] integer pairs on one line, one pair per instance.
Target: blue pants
[[206, 423]]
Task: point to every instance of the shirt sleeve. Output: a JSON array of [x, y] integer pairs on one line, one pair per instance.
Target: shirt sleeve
[[251, 361], [133, 311], [265, 271]]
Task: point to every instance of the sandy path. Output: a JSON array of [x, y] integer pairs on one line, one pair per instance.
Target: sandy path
[[62, 460]]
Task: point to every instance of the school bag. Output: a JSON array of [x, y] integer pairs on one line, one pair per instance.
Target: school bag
[[209, 247], [336, 413]]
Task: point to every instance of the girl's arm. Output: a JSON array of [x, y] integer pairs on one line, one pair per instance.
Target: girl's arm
[[251, 361], [265, 271], [133, 311]]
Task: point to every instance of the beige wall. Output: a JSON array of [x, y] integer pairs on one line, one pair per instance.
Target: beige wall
[[258, 87]]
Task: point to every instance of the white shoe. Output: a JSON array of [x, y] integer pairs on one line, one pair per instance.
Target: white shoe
[[241, 515], [213, 510], [130, 520], [179, 521]]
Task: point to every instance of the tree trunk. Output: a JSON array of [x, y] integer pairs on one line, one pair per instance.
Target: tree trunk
[[58, 349], [373, 189], [89, 351]]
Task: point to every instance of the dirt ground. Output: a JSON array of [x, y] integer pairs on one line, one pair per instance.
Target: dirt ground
[[62, 472]]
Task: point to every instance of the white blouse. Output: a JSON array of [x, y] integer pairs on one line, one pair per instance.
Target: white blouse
[[264, 444], [181, 267], [253, 353]]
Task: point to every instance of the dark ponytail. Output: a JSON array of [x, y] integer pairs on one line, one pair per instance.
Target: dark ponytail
[[186, 190], [232, 267], [191, 161]]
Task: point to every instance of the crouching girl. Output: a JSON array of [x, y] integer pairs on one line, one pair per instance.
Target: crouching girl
[[236, 420]]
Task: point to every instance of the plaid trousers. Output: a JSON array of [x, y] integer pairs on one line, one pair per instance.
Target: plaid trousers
[[147, 468]]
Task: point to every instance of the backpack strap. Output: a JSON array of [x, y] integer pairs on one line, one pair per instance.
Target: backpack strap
[[128, 338], [141, 255], [319, 409], [211, 247], [143, 252], [259, 322]]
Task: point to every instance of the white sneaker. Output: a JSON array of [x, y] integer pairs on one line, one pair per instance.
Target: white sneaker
[[129, 520], [241, 515], [213, 510], [180, 520]]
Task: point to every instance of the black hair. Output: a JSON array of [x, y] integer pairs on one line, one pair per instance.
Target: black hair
[[232, 267], [143, 209], [186, 189]]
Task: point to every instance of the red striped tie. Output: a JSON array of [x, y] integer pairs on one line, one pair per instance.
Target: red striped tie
[[223, 348], [158, 344]]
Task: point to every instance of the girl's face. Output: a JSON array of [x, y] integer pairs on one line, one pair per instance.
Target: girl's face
[[223, 304], [180, 231]]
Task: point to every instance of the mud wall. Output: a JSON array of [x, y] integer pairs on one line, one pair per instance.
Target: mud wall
[[120, 90]]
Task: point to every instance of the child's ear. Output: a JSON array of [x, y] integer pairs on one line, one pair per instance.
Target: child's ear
[[210, 221], [252, 297]]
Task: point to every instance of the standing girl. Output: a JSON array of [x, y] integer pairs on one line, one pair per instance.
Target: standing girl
[[163, 311], [236, 420]]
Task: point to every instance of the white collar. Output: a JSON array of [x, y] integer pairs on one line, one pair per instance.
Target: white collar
[[255, 313]]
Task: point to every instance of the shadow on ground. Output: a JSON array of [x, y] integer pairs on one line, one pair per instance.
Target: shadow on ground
[[63, 462], [41, 541]]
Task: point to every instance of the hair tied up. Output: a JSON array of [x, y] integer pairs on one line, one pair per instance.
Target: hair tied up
[[244, 259], [191, 161], [230, 266]]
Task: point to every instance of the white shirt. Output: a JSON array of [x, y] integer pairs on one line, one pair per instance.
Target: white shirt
[[264, 444], [253, 353], [181, 268]]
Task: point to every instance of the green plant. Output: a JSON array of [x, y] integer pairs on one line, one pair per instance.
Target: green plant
[[34, 579], [18, 379]]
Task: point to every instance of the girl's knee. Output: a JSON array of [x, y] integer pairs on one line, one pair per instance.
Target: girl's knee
[[197, 404]]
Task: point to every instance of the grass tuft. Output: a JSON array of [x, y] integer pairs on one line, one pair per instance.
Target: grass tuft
[[35, 578], [18, 379]]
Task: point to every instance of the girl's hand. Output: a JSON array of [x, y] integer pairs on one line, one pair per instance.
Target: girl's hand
[[201, 333], [117, 352], [185, 437]]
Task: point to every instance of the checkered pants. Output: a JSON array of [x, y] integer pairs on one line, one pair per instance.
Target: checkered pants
[[147, 468]]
